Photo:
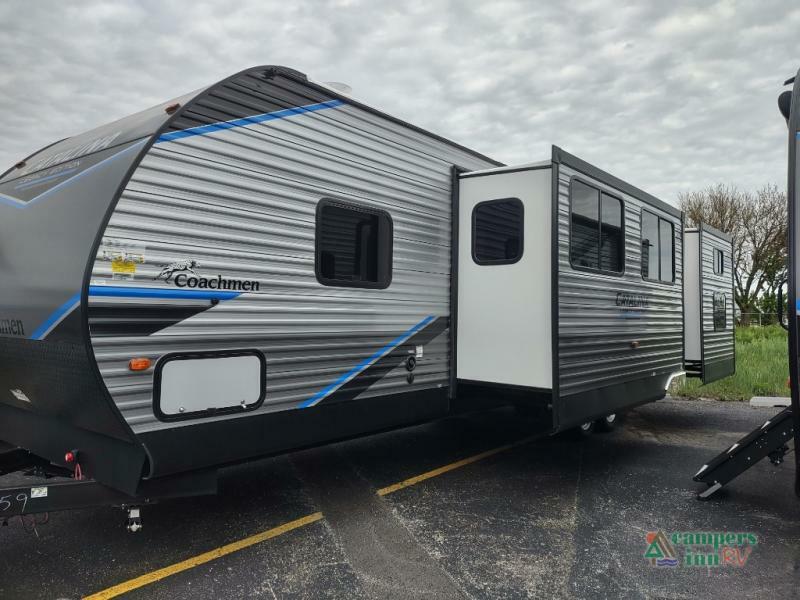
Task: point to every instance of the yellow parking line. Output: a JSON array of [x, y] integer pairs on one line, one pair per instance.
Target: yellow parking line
[[190, 563], [390, 489], [200, 559]]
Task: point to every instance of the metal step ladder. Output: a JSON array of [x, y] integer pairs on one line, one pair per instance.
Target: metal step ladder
[[770, 440]]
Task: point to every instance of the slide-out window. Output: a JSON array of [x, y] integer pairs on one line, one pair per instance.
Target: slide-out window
[[658, 248], [719, 262], [720, 311], [597, 240], [497, 227], [353, 245]]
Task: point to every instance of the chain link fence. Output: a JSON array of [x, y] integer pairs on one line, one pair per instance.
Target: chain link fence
[[756, 319]]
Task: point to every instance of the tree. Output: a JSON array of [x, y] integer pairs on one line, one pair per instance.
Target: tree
[[758, 225]]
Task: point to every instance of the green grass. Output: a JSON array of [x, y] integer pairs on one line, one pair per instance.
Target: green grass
[[762, 368]]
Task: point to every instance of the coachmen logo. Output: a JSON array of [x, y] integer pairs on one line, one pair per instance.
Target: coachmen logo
[[12, 327], [629, 300], [183, 274], [181, 266]]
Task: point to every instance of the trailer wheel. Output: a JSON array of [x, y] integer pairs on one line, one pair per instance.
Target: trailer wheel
[[584, 430], [607, 423]]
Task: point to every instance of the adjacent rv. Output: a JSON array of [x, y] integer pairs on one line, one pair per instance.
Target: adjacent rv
[[267, 264]]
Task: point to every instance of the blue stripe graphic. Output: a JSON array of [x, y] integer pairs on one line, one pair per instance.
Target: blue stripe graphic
[[244, 122], [35, 182], [127, 292], [61, 312], [144, 292], [16, 203], [365, 363]]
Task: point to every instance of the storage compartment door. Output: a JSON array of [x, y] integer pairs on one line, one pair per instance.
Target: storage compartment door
[[208, 384]]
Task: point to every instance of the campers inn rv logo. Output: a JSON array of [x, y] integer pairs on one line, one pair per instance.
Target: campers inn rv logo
[[700, 549], [182, 273]]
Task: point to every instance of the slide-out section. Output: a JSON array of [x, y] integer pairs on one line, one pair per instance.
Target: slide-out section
[[504, 271], [620, 280], [708, 305]]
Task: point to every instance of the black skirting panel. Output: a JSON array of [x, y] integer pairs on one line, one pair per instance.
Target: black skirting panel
[[52, 402], [593, 404], [718, 369], [711, 371], [116, 463], [228, 441]]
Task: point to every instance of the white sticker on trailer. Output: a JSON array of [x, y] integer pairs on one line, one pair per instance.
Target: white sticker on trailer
[[39, 492]]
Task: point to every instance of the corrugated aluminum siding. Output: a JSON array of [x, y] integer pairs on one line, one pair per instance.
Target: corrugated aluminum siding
[[717, 345], [242, 202], [595, 333]]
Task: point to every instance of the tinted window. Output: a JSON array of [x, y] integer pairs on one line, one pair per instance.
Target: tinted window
[[596, 233], [650, 243], [497, 231], [719, 262], [354, 246], [611, 240], [720, 311], [658, 248], [666, 250], [585, 232]]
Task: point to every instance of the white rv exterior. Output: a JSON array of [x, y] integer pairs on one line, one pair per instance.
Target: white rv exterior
[[267, 264]]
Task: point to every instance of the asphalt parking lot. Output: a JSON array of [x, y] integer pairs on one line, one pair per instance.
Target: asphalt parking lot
[[548, 518]]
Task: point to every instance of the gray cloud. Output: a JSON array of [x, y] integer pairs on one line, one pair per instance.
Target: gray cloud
[[669, 96]]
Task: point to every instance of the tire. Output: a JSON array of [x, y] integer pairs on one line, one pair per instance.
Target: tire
[[607, 423], [584, 430]]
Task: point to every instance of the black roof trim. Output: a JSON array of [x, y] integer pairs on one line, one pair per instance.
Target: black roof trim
[[563, 157], [273, 70]]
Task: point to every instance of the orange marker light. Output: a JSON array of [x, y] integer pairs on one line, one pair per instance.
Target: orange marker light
[[139, 364]]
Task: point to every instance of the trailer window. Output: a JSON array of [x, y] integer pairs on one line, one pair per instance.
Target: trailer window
[[719, 262], [596, 232], [666, 250], [658, 248], [353, 245], [497, 227], [720, 311]]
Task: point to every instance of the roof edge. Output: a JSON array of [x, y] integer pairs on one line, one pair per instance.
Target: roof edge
[[563, 157], [272, 70], [714, 231]]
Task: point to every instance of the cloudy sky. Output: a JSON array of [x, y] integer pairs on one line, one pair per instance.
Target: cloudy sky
[[671, 96]]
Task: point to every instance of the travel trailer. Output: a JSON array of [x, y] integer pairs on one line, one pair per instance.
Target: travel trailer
[[267, 264]]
